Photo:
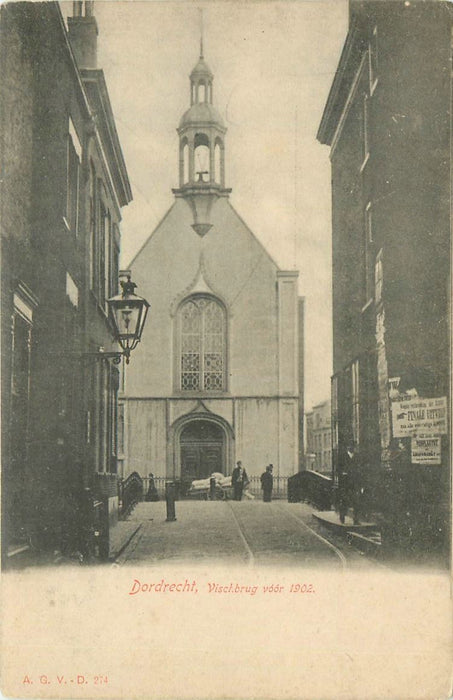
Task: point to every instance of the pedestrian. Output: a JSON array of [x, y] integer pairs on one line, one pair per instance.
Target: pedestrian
[[355, 481], [345, 494], [267, 482], [152, 494], [239, 480]]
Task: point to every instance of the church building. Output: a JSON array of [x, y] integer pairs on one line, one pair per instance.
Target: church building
[[217, 376]]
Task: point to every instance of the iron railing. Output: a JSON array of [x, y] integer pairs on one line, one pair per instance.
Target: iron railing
[[130, 492], [280, 487]]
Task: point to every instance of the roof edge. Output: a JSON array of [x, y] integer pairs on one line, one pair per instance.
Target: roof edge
[[96, 77], [326, 128], [143, 246], [255, 237]]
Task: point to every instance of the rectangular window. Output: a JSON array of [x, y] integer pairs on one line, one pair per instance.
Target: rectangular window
[[109, 421], [355, 396], [114, 268], [101, 281], [93, 236], [22, 319], [122, 382], [373, 58], [369, 255], [102, 419], [73, 162], [72, 291], [108, 260], [113, 419], [88, 428], [365, 129], [20, 363], [121, 428], [20, 388], [378, 278], [102, 256], [94, 414]]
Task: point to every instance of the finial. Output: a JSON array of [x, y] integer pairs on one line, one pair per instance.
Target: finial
[[201, 33], [128, 287]]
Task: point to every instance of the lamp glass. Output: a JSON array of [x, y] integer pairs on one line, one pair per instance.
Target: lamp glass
[[128, 314]]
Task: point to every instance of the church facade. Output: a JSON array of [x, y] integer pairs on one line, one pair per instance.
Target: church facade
[[217, 375]]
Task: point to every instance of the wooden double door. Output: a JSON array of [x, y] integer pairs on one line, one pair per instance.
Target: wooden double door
[[202, 450]]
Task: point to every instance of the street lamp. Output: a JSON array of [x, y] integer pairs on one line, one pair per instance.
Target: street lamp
[[127, 312]]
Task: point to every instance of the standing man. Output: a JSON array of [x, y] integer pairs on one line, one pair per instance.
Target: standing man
[[355, 479], [238, 480], [267, 481], [345, 483]]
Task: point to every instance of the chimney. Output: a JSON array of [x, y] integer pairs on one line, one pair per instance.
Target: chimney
[[83, 33]]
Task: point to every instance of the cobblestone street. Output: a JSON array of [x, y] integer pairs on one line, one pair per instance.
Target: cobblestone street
[[276, 533]]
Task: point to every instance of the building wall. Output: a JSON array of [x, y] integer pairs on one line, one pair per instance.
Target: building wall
[[387, 120], [319, 437], [47, 452], [301, 352], [38, 251], [153, 446], [409, 207], [17, 132], [237, 270], [258, 408]]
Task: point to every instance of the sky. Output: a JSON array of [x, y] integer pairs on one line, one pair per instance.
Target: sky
[[273, 65]]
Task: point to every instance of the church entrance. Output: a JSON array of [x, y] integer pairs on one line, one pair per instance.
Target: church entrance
[[202, 450]]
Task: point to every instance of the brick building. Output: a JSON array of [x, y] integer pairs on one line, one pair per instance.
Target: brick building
[[64, 183], [387, 121], [318, 455]]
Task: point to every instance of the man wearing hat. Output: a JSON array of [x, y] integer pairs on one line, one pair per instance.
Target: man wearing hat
[[239, 480], [267, 481]]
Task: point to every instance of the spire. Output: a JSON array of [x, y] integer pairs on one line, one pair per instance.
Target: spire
[[202, 73], [201, 33]]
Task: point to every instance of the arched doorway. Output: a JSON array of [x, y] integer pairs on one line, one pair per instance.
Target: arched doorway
[[202, 445]]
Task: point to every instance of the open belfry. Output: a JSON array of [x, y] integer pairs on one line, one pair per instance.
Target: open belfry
[[216, 377]]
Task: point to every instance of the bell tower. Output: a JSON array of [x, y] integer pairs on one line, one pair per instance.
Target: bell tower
[[201, 149]]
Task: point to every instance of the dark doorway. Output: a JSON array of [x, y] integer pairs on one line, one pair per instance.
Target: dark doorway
[[202, 450]]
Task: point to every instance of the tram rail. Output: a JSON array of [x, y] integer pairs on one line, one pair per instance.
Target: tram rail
[[304, 525], [248, 544], [250, 555]]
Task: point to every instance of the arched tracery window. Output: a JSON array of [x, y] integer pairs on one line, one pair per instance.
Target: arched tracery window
[[202, 341]]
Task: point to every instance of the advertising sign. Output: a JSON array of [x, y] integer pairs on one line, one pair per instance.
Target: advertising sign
[[425, 450], [418, 416]]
